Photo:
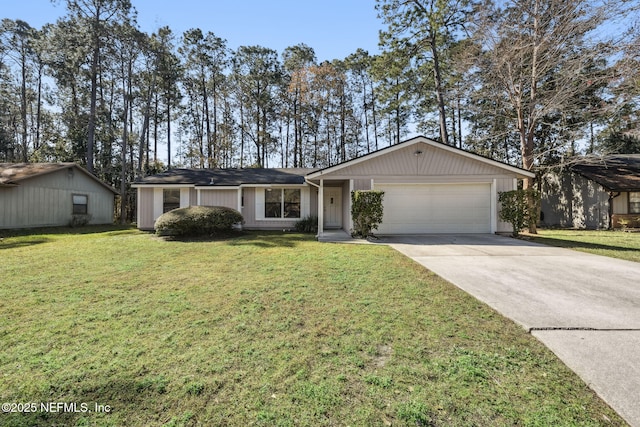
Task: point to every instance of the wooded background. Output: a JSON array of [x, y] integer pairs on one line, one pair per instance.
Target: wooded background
[[527, 82]]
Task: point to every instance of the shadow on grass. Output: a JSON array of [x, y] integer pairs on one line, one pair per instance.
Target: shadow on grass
[[23, 243], [112, 229], [574, 244], [99, 405], [261, 239], [275, 239], [219, 237]]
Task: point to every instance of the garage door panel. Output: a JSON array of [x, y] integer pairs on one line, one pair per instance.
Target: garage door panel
[[436, 208]]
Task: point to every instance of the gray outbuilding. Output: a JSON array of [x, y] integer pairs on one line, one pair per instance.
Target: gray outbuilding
[[52, 194], [593, 192]]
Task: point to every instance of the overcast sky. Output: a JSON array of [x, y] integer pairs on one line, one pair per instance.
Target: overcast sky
[[333, 28]]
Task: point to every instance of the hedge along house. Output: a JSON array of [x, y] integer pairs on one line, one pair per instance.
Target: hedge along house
[[52, 194], [593, 192], [429, 188]]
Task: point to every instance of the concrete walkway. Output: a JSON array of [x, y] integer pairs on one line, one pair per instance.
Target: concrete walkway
[[585, 308]]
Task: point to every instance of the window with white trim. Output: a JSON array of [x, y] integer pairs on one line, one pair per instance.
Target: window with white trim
[[170, 199], [282, 203], [634, 202], [80, 204]]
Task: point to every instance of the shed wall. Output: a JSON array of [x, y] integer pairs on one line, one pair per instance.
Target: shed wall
[[46, 200]]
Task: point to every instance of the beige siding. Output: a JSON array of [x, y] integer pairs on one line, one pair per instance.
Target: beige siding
[[313, 211], [46, 200], [362, 184], [146, 218], [227, 198], [431, 161], [346, 207]]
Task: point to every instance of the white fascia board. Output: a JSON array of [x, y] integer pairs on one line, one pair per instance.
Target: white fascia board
[[216, 187], [163, 185], [235, 187], [274, 185]]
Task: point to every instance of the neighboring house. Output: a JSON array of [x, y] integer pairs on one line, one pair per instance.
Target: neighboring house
[[593, 192], [52, 194], [429, 188]]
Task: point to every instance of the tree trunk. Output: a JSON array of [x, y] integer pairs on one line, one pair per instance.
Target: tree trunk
[[444, 134], [207, 122], [23, 111], [123, 157], [38, 108], [373, 117], [168, 133], [91, 134]]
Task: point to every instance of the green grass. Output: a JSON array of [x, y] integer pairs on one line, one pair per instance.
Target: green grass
[[615, 244], [263, 329]]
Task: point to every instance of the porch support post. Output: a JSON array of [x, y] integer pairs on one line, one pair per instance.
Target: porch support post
[[321, 208], [350, 222]]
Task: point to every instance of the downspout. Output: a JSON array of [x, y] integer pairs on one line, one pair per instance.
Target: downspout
[[611, 197]]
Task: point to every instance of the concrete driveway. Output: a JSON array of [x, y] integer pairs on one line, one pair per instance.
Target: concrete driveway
[[585, 308]]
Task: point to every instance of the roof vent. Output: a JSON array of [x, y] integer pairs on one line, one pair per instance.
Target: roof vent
[[211, 181]]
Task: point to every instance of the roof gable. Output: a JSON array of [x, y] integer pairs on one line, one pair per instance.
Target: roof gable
[[420, 156], [14, 174]]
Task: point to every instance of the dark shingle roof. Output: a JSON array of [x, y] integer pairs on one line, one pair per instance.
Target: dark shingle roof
[[227, 177], [617, 172]]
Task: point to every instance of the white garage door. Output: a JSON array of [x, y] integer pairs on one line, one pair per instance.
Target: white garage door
[[435, 208]]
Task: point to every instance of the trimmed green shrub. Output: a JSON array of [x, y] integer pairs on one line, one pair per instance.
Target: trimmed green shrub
[[517, 209], [197, 221], [366, 212], [307, 224]]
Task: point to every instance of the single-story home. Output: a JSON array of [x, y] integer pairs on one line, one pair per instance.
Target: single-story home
[[52, 194], [596, 192], [429, 188]]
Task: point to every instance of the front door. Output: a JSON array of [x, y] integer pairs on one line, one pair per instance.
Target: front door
[[332, 207]]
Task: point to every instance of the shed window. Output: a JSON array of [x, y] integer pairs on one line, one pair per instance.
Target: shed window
[[170, 199], [80, 204], [634, 202], [282, 203]]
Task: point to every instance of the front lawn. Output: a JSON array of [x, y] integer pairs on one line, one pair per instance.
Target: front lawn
[[615, 244], [262, 329]]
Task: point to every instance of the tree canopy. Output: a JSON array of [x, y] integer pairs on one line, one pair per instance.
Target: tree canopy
[[527, 82]]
